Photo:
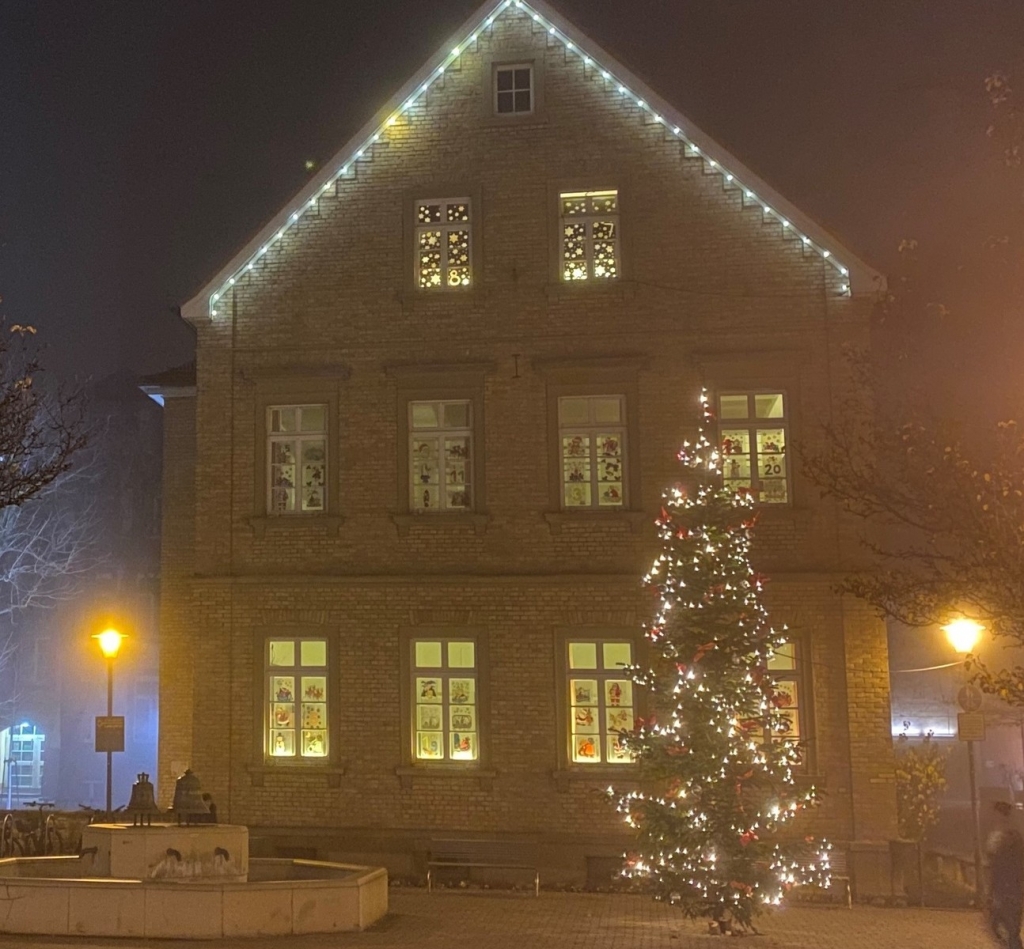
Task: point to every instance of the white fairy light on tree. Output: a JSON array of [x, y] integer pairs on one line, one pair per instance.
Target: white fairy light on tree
[[715, 788]]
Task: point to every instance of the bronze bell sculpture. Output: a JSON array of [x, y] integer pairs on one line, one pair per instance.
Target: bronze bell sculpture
[[189, 806], [142, 805]]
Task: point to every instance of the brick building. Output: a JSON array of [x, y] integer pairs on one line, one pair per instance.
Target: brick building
[[409, 496]]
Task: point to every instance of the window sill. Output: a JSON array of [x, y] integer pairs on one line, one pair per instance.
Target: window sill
[[404, 522], [408, 775], [333, 772], [413, 297], [798, 515], [600, 774], [563, 289], [558, 519], [327, 523]]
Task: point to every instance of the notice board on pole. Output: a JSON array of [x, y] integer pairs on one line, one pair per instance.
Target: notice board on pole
[[110, 733], [970, 726]]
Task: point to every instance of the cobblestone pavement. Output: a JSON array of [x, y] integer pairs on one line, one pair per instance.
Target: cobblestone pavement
[[483, 919]]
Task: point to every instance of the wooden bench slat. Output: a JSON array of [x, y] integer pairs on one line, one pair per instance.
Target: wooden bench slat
[[483, 854]]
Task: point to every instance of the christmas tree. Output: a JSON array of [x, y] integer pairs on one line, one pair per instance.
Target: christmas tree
[[715, 786]]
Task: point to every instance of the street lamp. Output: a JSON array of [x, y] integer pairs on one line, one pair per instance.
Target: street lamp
[[110, 643], [963, 635]]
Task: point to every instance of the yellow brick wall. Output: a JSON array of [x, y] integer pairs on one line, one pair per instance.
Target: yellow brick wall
[[710, 293]]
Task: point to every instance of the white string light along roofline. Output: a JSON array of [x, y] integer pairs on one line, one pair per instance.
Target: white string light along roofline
[[615, 84]]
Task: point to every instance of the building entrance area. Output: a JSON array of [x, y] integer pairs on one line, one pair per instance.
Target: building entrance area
[[21, 765]]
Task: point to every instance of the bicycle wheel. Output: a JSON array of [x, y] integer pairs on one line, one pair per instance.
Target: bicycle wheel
[[54, 845]]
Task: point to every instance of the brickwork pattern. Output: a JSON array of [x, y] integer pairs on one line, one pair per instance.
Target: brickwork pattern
[[710, 293]]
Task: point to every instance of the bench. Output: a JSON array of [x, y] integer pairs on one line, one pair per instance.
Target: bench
[[482, 854]]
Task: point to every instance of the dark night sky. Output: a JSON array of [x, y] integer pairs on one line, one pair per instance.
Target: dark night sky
[[142, 143]]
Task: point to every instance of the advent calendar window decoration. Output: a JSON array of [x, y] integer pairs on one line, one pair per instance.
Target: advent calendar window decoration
[[443, 251], [296, 459], [446, 723], [592, 435], [785, 666], [601, 701], [441, 456], [590, 235], [752, 430], [297, 700]]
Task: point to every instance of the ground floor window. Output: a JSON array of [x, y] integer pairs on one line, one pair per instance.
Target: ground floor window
[[445, 703], [785, 666], [297, 698], [600, 696], [21, 764]]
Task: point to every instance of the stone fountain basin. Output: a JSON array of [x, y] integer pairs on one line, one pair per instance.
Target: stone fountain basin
[[52, 896]]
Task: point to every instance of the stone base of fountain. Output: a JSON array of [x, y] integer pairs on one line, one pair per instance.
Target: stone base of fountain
[[133, 886], [169, 852]]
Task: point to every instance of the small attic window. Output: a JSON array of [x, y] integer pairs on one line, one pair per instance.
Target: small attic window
[[513, 89]]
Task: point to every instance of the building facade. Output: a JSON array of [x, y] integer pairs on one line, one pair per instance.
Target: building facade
[[409, 498]]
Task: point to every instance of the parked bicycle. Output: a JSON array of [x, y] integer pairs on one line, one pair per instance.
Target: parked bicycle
[[36, 836]]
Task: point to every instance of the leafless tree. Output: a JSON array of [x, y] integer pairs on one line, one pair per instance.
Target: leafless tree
[[41, 428], [943, 500]]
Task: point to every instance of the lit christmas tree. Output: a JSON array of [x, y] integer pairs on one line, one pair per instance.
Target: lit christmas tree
[[715, 785]]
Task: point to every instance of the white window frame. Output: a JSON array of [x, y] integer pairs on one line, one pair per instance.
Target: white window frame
[[591, 430], [445, 674], [600, 675], [296, 671], [21, 763], [512, 68], [445, 228], [441, 433], [298, 437], [752, 425], [589, 220]]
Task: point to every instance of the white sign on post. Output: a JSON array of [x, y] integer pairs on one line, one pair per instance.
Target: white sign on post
[[970, 726]]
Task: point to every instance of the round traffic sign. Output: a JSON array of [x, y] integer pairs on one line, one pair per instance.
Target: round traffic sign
[[970, 698]]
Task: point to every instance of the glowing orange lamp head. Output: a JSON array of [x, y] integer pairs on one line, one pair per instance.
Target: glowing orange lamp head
[[110, 642], [963, 634]]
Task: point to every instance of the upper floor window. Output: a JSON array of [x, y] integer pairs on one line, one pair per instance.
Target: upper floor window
[[296, 698], [445, 701], [590, 235], [601, 705], [441, 456], [513, 89], [296, 459], [592, 433], [443, 243], [752, 429]]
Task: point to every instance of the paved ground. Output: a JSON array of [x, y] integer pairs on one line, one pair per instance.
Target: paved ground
[[482, 919]]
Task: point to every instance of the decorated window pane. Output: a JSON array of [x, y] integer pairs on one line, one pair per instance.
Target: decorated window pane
[[513, 89], [440, 456], [590, 235], [788, 688], [297, 698], [754, 455], [297, 459], [445, 703], [443, 244], [591, 439], [601, 706]]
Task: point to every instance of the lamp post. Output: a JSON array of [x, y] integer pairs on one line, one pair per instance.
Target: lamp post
[[110, 642], [963, 635]]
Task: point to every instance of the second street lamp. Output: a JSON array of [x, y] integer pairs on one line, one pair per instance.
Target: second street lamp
[[110, 644], [963, 635]]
